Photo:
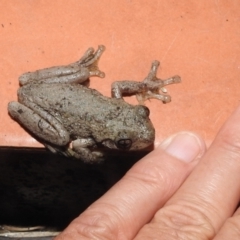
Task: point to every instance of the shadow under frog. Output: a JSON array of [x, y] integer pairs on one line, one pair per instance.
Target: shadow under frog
[[70, 118]]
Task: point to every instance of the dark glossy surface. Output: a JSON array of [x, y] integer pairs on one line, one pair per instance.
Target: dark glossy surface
[[40, 188]]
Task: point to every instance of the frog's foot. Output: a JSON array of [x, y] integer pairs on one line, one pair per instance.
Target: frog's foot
[[149, 88], [90, 61], [155, 85], [83, 149]]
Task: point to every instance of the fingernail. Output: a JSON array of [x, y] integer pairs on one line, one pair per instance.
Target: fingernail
[[185, 146]]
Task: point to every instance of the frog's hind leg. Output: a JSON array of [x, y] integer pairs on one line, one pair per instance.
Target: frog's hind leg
[[59, 74], [150, 87], [37, 121], [77, 72]]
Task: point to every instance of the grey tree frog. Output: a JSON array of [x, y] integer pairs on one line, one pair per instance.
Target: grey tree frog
[[68, 117]]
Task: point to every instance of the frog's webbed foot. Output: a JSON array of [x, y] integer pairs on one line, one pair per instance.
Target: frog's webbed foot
[[149, 88], [83, 149], [90, 61], [155, 85]]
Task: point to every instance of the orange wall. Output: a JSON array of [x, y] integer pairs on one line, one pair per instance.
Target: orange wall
[[199, 40]]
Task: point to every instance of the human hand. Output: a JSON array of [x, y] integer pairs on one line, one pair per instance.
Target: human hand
[[178, 191]]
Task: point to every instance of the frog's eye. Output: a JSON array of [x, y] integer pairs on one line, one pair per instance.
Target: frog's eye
[[124, 143], [143, 111]]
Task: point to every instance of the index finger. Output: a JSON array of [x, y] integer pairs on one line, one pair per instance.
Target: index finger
[[132, 202]]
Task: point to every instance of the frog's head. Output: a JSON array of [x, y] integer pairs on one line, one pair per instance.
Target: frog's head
[[134, 131]]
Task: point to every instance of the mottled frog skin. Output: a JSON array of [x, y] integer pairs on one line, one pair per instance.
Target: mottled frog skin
[[70, 118]]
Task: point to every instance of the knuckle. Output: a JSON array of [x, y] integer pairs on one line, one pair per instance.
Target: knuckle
[[151, 179], [185, 222], [96, 225]]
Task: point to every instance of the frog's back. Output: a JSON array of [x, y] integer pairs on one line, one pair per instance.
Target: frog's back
[[73, 101]]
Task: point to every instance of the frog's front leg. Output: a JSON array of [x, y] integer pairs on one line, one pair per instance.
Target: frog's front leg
[[149, 88], [84, 149], [77, 72]]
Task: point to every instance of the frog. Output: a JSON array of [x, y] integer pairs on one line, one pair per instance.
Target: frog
[[57, 107]]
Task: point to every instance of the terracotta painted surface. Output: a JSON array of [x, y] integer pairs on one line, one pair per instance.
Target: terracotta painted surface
[[198, 40]]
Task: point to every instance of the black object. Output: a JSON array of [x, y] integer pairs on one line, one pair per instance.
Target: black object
[[41, 188]]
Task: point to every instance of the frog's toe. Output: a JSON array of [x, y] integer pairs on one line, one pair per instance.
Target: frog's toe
[[97, 73], [176, 79], [166, 99], [97, 154], [93, 157]]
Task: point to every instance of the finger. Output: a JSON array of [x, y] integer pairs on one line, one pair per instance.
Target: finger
[[230, 229], [132, 202], [209, 195]]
